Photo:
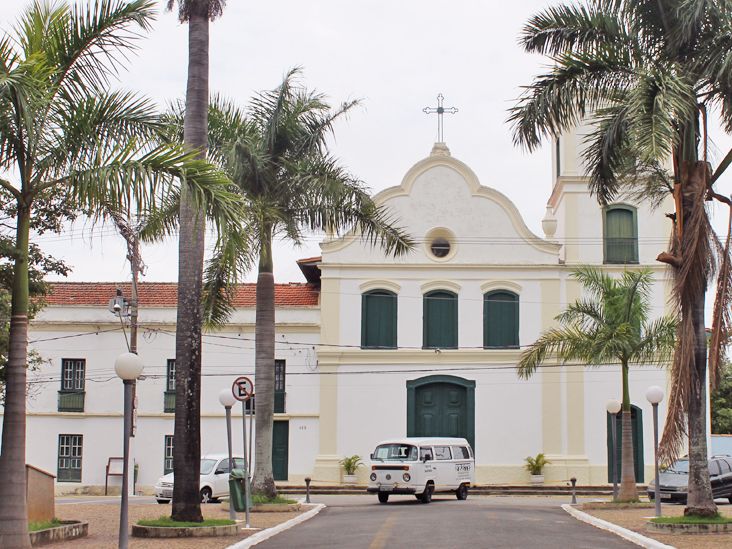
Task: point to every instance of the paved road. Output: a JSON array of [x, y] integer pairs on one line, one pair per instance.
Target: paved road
[[360, 522]]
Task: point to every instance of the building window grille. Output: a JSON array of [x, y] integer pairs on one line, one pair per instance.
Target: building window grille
[[69, 458], [169, 396], [440, 319], [73, 376], [168, 455], [379, 320], [621, 235], [500, 320]]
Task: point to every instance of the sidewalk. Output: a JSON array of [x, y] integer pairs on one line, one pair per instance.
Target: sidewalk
[[103, 519], [636, 519]]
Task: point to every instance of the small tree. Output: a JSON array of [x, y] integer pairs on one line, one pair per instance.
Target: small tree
[[609, 326], [276, 155]]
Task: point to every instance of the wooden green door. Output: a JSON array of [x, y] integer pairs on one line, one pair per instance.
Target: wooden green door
[[636, 417], [280, 449], [441, 411]]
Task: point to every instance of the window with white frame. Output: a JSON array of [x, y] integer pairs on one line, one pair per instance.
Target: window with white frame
[[69, 458]]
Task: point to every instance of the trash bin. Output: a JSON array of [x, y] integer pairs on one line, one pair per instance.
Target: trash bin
[[237, 498]]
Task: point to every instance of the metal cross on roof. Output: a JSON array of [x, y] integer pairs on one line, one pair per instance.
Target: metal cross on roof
[[440, 110]]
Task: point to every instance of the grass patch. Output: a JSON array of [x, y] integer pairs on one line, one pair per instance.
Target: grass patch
[[719, 519], [261, 499], [167, 522], [44, 525]]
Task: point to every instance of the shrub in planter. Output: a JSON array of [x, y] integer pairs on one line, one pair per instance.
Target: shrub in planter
[[350, 465], [534, 465]]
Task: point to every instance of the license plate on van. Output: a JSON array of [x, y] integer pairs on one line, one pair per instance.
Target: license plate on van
[[665, 496], [384, 488]]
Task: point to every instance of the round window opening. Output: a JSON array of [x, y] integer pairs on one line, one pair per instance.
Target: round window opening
[[440, 247]]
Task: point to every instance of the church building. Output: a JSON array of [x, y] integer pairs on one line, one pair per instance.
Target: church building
[[373, 347]]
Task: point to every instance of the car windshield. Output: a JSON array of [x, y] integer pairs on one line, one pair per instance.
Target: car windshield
[[399, 452], [681, 467], [207, 466]]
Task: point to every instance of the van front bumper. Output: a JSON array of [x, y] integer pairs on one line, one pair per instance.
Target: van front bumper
[[391, 490]]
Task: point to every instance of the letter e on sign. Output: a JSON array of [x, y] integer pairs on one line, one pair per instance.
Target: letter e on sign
[[242, 388]]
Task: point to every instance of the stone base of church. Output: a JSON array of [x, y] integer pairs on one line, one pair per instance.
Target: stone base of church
[[327, 469]]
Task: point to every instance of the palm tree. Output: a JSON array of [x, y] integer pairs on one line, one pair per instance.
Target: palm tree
[[64, 133], [610, 326], [648, 72], [187, 431], [276, 155]]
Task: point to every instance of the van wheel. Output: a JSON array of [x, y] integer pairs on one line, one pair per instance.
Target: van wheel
[[383, 497], [427, 494], [462, 492]]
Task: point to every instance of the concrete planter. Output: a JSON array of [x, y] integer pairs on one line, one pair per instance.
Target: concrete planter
[[69, 529], [349, 479], [689, 528], [537, 480], [192, 532]]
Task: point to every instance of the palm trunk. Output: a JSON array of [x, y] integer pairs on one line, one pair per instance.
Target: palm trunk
[[264, 369], [700, 501], [628, 490], [187, 434], [13, 504]]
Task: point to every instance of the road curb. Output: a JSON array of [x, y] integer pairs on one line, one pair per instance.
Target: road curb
[[259, 537], [630, 535]]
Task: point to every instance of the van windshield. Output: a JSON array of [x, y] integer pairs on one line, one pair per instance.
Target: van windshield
[[398, 452]]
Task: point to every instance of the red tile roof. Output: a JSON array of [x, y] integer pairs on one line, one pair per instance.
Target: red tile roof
[[165, 294]]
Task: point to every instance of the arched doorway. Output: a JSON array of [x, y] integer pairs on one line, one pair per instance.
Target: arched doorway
[[441, 406]]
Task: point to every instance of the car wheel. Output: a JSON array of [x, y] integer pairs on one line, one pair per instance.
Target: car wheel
[[730, 499], [206, 494], [163, 501], [383, 497], [427, 494], [462, 492], [651, 496]]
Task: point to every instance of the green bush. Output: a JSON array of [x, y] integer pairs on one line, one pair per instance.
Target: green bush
[[534, 465], [351, 464]]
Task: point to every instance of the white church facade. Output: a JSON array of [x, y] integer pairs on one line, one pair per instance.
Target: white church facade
[[373, 347]]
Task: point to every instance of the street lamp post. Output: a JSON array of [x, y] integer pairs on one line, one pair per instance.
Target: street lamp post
[[654, 394], [227, 400], [613, 407], [128, 367]]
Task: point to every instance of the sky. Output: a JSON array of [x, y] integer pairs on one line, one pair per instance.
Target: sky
[[395, 57]]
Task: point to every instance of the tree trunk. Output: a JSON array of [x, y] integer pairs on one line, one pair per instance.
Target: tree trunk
[[264, 370], [700, 501], [13, 504], [628, 490], [187, 433]]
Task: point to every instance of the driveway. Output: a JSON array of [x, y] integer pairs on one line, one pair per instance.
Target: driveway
[[360, 522]]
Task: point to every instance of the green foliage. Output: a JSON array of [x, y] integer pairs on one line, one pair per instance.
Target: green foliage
[[717, 519], [167, 522], [44, 525], [264, 499], [351, 464], [721, 400], [534, 465], [609, 326], [49, 217]]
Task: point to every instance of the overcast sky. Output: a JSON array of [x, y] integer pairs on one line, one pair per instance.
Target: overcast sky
[[394, 56]]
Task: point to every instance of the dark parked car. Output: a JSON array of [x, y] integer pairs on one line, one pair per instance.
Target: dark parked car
[[674, 480]]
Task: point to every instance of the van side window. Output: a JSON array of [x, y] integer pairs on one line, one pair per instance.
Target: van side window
[[460, 452], [425, 452], [442, 452]]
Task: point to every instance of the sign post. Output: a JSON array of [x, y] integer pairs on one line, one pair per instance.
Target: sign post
[[243, 390]]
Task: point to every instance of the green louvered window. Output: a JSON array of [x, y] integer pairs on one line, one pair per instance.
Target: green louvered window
[[621, 235], [500, 319], [440, 318], [379, 320]]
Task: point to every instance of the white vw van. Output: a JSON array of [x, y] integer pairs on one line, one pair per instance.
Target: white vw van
[[422, 467]]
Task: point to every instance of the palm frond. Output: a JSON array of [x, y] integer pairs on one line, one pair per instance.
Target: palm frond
[[231, 259]]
